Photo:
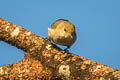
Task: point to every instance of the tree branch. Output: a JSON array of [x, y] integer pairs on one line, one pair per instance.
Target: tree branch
[[46, 61]]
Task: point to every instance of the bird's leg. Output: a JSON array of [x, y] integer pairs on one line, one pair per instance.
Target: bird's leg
[[54, 45], [46, 38], [66, 49]]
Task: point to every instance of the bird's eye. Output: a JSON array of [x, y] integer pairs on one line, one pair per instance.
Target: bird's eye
[[65, 30]]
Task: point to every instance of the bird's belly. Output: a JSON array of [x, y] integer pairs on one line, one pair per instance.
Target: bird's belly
[[64, 41]]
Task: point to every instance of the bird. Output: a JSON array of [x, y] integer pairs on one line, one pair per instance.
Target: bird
[[62, 32]]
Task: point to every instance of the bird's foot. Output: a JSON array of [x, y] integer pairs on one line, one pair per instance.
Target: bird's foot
[[46, 38], [66, 49]]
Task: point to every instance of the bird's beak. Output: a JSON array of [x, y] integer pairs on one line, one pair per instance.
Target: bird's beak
[[71, 36]]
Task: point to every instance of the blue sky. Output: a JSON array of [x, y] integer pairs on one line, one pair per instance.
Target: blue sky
[[97, 25]]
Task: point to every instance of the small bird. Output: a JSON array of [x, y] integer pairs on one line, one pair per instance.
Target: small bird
[[62, 32]]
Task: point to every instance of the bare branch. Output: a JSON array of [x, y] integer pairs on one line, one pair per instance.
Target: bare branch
[[44, 61]]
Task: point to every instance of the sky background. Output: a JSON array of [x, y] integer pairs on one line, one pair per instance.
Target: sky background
[[97, 25]]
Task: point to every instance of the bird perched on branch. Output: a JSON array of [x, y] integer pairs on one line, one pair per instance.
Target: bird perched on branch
[[62, 32]]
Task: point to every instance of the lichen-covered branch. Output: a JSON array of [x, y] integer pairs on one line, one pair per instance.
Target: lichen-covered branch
[[45, 61]]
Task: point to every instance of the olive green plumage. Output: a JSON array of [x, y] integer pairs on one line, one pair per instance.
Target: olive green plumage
[[62, 32]]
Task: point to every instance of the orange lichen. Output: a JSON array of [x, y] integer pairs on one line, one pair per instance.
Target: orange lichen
[[46, 54], [28, 68], [83, 67], [107, 69], [116, 74], [87, 62], [55, 51], [74, 58], [98, 70], [26, 54], [31, 49], [82, 58], [92, 78], [39, 47], [21, 36], [27, 42], [60, 58]]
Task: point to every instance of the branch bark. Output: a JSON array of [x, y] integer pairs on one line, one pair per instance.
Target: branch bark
[[45, 61]]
